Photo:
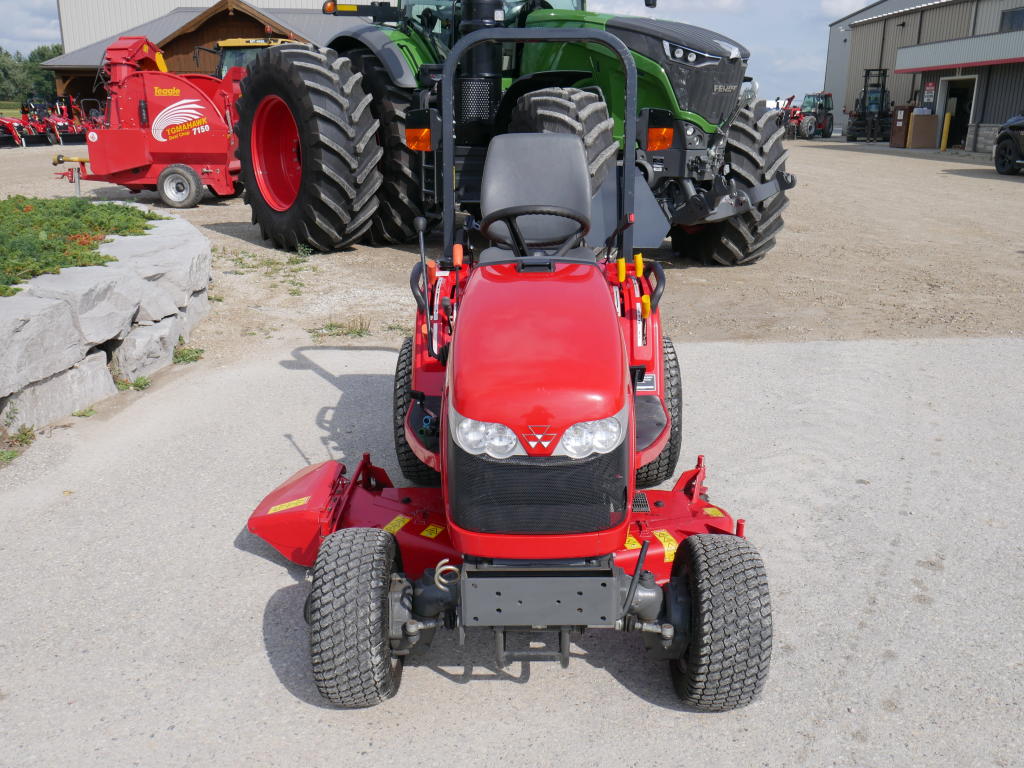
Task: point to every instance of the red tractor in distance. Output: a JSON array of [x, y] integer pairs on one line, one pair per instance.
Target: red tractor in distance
[[161, 131], [535, 405], [814, 117]]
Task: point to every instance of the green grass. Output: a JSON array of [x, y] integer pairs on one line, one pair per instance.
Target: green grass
[[357, 327], [39, 237], [6, 457], [184, 355], [85, 413], [137, 385]]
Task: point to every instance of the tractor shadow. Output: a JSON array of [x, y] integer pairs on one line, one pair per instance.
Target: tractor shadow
[[985, 174]]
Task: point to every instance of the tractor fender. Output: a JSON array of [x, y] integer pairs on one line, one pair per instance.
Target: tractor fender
[[383, 47], [534, 82]]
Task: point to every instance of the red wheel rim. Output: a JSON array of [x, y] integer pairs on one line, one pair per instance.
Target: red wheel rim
[[276, 153]]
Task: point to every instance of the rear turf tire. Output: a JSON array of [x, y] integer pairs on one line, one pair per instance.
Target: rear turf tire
[[400, 193], [414, 470], [663, 467], [336, 193], [755, 154], [350, 618], [179, 186], [730, 645], [575, 111]]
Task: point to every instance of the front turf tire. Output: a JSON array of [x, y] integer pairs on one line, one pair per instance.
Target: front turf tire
[[312, 179], [725, 664], [663, 467], [350, 616]]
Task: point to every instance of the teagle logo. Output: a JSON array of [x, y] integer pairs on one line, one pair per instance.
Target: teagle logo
[[158, 91]]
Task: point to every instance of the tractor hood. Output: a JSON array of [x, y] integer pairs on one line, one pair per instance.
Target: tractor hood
[[706, 69], [537, 351]]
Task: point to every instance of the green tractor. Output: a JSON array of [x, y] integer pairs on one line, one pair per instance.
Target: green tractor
[[339, 144]]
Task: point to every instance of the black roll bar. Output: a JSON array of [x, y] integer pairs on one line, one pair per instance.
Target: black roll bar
[[627, 178]]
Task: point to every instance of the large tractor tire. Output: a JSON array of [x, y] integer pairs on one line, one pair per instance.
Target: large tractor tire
[[308, 149], [571, 110], [400, 194], [755, 154], [829, 129], [725, 663], [664, 467], [1006, 156], [350, 618], [414, 470]]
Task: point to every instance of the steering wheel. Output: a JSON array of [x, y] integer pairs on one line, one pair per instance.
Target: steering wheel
[[509, 217]]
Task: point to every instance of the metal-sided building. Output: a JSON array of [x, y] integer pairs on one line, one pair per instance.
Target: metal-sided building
[[965, 57], [181, 27]]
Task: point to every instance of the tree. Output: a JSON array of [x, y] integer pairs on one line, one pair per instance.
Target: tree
[[41, 81], [21, 77]]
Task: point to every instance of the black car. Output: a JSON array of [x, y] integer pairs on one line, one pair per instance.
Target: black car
[[1008, 151]]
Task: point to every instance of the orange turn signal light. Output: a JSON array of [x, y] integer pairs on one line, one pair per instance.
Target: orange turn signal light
[[330, 6], [659, 138], [418, 139]]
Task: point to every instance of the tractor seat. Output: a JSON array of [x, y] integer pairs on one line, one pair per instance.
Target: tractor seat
[[526, 174]]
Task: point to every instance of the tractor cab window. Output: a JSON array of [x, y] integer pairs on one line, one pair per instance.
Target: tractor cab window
[[235, 57], [438, 19], [810, 103], [514, 8]]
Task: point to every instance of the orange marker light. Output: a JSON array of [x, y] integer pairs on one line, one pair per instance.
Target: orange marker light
[[645, 307], [418, 139], [330, 6], [659, 138], [621, 264], [457, 255]]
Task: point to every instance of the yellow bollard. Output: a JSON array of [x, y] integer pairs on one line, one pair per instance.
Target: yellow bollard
[[945, 131]]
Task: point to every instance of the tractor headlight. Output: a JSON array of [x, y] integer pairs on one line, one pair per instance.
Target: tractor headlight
[[684, 55], [476, 437], [601, 436]]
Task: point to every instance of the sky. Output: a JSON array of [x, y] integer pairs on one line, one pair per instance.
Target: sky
[[788, 39]]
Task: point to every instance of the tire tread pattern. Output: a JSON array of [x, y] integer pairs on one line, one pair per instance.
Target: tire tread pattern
[[412, 468], [664, 466], [730, 647], [349, 644]]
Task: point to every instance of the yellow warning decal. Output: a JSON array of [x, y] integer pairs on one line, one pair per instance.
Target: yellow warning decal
[[288, 505], [631, 542], [713, 512], [668, 542], [432, 531], [397, 524]]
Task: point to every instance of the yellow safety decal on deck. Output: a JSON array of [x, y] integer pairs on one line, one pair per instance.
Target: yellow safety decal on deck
[[397, 524], [632, 543], [713, 512], [288, 505], [668, 542], [432, 531]]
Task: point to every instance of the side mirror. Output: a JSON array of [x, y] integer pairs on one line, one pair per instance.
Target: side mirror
[[651, 3], [748, 93]]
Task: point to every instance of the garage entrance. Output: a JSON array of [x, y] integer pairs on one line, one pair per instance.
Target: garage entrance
[[959, 102]]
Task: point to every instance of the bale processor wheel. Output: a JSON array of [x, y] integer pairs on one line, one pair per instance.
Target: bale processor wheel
[[179, 186], [575, 111], [725, 663], [350, 618], [307, 148], [755, 154]]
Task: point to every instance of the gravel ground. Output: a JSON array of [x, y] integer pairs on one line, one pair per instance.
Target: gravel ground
[[142, 625]]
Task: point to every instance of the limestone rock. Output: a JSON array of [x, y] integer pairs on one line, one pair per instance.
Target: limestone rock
[[147, 349], [38, 338], [104, 301], [60, 395], [198, 307]]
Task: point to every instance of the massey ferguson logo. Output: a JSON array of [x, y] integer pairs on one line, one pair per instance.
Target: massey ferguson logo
[[182, 118], [725, 88], [539, 436]]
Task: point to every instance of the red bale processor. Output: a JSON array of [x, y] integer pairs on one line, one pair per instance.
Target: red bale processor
[[536, 398], [163, 131]]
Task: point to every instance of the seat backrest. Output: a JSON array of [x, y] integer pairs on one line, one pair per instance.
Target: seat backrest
[[536, 169]]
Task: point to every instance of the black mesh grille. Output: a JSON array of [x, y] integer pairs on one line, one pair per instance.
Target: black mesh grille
[[539, 495], [478, 99]]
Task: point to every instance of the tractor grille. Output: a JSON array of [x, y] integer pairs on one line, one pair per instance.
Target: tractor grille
[[537, 495], [477, 99]]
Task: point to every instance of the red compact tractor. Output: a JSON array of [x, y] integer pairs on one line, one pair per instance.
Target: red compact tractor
[[536, 398], [163, 131], [814, 117]]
